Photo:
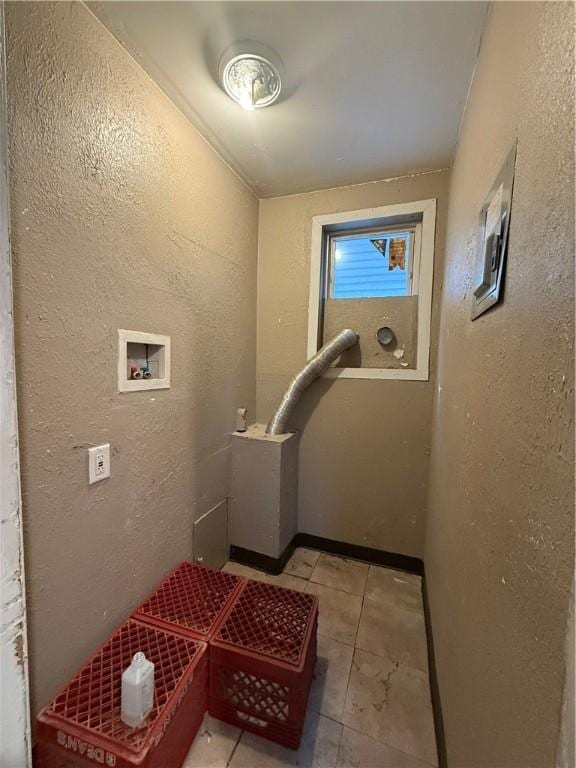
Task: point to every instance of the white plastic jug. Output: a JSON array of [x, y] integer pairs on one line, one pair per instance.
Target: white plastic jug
[[137, 691]]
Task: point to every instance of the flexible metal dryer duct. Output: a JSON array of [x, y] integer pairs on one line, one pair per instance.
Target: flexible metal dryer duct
[[313, 369]]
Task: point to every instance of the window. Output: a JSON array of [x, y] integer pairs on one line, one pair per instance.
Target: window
[[375, 264], [371, 269]]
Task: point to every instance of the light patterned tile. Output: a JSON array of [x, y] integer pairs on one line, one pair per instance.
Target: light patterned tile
[[241, 570], [391, 703], [302, 562], [213, 745], [403, 590], [400, 634], [282, 580], [318, 748], [328, 691], [339, 573], [338, 612], [360, 751]]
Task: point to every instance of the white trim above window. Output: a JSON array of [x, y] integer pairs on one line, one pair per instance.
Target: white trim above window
[[420, 212]]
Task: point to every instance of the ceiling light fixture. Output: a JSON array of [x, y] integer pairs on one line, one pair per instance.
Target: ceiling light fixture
[[250, 75]]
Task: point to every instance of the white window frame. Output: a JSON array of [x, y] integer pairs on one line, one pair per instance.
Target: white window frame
[[422, 280]]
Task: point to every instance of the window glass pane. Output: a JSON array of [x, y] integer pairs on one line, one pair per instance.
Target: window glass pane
[[371, 266]]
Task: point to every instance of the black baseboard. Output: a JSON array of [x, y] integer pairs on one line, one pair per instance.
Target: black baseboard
[[271, 565], [275, 565], [434, 687], [357, 552]]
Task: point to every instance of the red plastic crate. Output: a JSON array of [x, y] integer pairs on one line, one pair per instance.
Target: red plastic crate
[[262, 660], [82, 726], [190, 600]]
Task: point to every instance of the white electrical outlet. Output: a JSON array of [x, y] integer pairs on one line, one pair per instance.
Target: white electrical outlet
[[98, 463]]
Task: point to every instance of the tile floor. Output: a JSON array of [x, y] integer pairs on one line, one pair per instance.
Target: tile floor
[[369, 705]]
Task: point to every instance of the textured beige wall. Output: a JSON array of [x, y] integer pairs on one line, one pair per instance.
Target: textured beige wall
[[500, 535], [365, 444], [366, 316], [122, 217]]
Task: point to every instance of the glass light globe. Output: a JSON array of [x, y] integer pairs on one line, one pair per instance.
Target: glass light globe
[[251, 80]]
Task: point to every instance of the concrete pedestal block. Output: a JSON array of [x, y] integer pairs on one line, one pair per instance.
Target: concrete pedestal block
[[263, 490]]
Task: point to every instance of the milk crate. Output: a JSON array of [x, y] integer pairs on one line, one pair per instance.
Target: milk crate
[[262, 659], [82, 725], [190, 600]]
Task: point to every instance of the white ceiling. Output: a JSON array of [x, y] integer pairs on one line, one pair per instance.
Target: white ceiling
[[372, 89]]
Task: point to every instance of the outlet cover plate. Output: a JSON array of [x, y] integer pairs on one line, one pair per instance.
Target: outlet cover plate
[[98, 463]]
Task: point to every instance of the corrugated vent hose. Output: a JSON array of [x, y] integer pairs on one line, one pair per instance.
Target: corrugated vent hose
[[313, 369]]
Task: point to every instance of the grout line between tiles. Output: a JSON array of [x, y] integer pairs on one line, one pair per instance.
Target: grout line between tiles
[[400, 664], [293, 576], [296, 576], [359, 620], [339, 744], [337, 589], [234, 748], [385, 743], [351, 665], [389, 603], [348, 684]]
